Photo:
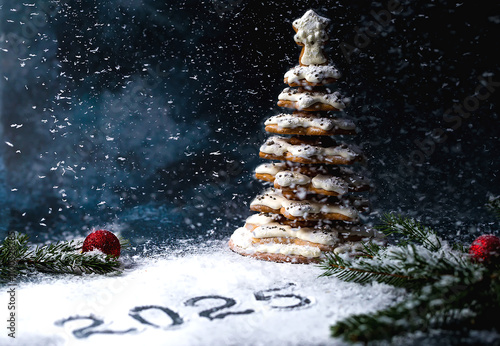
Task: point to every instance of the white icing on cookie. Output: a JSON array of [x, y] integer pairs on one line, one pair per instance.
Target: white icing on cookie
[[303, 208], [275, 145], [312, 34], [243, 239], [273, 230], [279, 146], [276, 230], [273, 199], [260, 219], [290, 179], [270, 198], [263, 219], [293, 121], [289, 249], [330, 183], [270, 168], [344, 173], [312, 74], [308, 98]]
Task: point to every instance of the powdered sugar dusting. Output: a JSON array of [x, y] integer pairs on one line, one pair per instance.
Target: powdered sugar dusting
[[172, 293]]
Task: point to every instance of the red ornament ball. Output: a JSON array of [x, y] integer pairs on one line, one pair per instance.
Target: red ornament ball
[[485, 249], [102, 240]]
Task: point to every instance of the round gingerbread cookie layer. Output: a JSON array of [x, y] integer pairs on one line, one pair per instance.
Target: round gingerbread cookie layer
[[255, 220], [292, 241], [273, 257], [296, 150], [312, 101], [304, 124], [273, 201], [338, 229], [323, 235], [332, 160], [355, 182], [307, 131], [312, 75], [240, 242], [296, 182], [325, 238], [286, 212]]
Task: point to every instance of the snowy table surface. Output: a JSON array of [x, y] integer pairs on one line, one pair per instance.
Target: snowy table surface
[[208, 296], [199, 294]]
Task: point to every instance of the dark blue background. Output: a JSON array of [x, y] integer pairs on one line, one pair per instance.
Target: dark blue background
[[147, 115]]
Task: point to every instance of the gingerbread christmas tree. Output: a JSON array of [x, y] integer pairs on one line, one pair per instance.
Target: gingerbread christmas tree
[[313, 205]]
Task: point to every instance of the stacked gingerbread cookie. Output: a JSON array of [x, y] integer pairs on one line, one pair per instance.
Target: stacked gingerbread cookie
[[312, 206]]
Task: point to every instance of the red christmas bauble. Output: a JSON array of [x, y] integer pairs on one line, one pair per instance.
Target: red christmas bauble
[[102, 240], [485, 249]]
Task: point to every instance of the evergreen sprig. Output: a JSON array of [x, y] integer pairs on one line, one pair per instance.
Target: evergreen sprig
[[444, 287], [364, 271], [18, 258], [410, 231]]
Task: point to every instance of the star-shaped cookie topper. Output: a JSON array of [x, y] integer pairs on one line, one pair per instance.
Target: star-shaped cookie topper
[[311, 34]]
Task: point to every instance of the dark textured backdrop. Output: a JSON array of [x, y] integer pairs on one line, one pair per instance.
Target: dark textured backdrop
[[148, 115]]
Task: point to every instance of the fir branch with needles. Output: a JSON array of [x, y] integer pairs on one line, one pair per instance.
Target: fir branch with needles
[[410, 231], [18, 258], [445, 303], [444, 287]]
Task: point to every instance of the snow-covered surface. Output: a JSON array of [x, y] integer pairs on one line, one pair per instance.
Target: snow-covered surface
[[280, 304]]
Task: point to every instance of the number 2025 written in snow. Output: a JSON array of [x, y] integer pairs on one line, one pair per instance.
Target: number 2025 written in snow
[[271, 296]]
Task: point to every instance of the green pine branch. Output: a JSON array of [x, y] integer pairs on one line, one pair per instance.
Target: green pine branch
[[411, 231], [445, 287], [18, 258], [408, 266], [448, 302], [364, 272]]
